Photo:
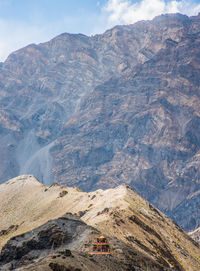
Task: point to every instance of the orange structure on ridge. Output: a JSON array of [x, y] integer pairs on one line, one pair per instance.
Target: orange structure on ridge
[[100, 246]]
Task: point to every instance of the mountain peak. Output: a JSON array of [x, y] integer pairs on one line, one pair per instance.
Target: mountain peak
[[23, 180]]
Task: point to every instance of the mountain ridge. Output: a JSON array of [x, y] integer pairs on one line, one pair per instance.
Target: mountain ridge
[[118, 213]]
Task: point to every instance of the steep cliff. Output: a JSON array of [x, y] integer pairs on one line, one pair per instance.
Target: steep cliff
[[99, 111]]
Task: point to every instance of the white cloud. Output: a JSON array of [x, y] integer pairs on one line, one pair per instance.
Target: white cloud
[[127, 11]]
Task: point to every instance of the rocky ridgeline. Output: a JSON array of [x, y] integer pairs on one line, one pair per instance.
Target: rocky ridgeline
[[37, 234], [95, 112]]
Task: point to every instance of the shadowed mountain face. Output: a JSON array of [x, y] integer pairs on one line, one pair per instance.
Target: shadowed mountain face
[[99, 111]]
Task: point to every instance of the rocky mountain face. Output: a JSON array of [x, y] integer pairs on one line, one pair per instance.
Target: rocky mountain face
[[95, 112], [37, 234]]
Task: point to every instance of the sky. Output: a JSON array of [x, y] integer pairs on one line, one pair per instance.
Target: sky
[[33, 21]]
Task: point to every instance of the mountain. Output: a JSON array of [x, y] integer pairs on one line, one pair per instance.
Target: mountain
[[96, 112], [136, 229]]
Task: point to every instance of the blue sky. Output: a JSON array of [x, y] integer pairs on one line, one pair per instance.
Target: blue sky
[[33, 21]]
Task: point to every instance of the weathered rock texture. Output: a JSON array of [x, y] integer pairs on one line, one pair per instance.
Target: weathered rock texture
[[99, 111], [138, 232]]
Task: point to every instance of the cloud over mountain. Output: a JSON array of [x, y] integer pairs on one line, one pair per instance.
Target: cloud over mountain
[[127, 12]]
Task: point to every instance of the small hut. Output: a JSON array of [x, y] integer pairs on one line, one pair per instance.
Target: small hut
[[100, 246]]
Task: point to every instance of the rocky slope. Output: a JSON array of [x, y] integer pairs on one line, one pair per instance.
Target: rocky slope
[[62, 244], [99, 111], [118, 213]]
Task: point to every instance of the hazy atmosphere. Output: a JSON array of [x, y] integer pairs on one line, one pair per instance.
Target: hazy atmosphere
[[23, 22]]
